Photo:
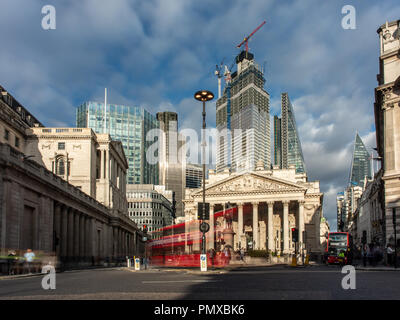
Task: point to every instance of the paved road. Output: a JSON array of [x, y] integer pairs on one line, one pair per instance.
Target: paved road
[[317, 282]]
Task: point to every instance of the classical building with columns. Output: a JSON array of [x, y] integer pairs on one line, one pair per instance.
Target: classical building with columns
[[267, 204], [62, 196], [387, 124]]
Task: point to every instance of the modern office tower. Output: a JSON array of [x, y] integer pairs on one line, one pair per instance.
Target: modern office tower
[[194, 176], [149, 205], [346, 204], [340, 209], [242, 118], [277, 142], [129, 125], [172, 158], [249, 147], [361, 163], [286, 138]]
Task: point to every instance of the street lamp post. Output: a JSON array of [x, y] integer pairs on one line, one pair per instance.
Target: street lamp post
[[204, 95]]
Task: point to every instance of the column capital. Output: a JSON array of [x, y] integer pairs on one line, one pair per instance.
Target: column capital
[[240, 204], [270, 202], [285, 201], [302, 202], [255, 203]]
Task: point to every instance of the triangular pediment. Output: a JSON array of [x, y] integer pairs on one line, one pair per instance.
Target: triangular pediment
[[250, 182]]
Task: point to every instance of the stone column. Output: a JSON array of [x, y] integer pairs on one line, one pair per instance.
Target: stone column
[[240, 224], [211, 231], [270, 225], [64, 233], [57, 229], [301, 223], [256, 242], [285, 226], [70, 252], [76, 235], [81, 237], [89, 238]]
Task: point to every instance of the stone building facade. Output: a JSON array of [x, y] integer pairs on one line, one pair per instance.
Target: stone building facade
[[41, 210], [269, 203], [387, 121], [92, 162]]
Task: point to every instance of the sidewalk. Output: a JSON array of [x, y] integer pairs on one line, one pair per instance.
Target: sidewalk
[[358, 264]]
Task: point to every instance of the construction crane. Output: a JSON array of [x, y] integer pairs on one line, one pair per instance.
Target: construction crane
[[246, 39], [218, 73]]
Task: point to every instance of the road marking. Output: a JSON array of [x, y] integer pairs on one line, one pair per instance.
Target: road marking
[[175, 281]]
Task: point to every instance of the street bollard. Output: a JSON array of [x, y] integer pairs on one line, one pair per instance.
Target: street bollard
[[307, 260], [294, 261]]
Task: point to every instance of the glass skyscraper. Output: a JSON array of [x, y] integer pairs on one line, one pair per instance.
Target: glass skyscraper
[[361, 163], [129, 125], [286, 138]]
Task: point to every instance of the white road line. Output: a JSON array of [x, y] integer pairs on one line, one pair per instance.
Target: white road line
[[175, 281]]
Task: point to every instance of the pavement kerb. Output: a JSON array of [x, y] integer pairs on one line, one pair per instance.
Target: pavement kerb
[[30, 275]]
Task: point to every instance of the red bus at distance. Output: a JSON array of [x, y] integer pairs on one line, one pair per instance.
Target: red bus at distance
[[336, 243], [173, 245]]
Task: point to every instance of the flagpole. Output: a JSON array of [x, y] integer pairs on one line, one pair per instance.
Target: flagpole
[[105, 110]]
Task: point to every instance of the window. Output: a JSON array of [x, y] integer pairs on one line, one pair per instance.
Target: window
[[61, 146], [16, 142], [61, 167], [6, 134]]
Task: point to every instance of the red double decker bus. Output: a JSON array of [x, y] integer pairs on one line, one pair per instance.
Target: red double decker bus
[[339, 242], [180, 244]]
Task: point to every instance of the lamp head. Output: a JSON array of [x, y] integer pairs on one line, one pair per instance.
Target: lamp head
[[204, 95]]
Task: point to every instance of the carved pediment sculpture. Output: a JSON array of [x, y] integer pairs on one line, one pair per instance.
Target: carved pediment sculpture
[[246, 183]]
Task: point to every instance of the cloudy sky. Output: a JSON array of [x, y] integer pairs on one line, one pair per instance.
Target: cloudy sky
[[157, 53]]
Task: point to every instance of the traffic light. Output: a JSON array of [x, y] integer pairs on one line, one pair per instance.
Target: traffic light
[[145, 228], [173, 213], [295, 235]]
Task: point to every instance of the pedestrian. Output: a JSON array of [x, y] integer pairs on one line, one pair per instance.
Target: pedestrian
[[342, 258], [11, 261], [390, 254], [227, 255], [370, 254], [242, 254], [365, 253], [212, 256], [29, 256]]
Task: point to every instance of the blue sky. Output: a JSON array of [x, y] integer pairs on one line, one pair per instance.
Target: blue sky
[[157, 53]]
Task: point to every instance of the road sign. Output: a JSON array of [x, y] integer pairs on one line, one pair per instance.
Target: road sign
[[137, 264], [203, 262], [204, 227], [200, 211]]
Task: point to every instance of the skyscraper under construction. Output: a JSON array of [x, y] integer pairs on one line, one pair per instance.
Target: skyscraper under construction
[[243, 118]]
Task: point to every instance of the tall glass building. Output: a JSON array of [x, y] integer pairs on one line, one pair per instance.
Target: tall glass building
[[361, 165], [242, 118], [286, 138], [130, 125]]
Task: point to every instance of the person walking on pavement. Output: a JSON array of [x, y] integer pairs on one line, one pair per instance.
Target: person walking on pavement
[[29, 256], [242, 255], [11, 260], [390, 254], [365, 252], [212, 256]]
